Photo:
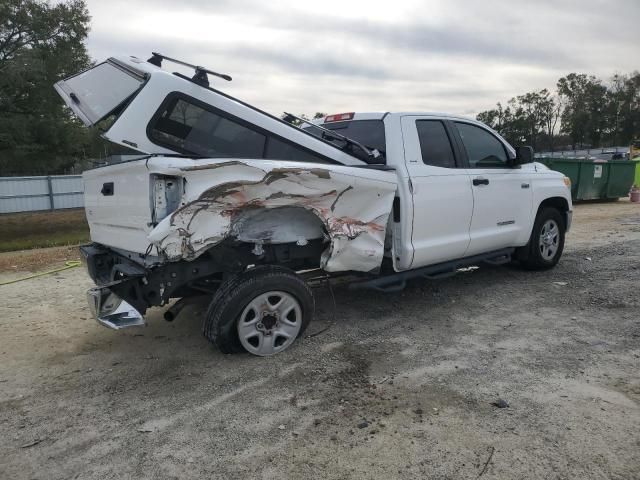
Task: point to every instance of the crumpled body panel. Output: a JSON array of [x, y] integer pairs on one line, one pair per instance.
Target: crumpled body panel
[[349, 206]]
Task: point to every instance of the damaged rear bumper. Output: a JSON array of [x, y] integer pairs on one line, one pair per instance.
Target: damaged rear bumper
[[126, 287], [112, 311], [106, 306]]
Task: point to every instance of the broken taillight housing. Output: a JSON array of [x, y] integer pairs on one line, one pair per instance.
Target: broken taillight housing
[[166, 193]]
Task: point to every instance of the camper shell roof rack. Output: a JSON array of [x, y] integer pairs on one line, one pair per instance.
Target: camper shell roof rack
[[201, 74]]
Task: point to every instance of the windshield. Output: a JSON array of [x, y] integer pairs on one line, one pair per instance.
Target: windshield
[[370, 133]]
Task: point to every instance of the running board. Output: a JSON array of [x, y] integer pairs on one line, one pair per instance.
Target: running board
[[397, 281]]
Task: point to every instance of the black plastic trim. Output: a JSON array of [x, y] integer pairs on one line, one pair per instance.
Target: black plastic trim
[[396, 210], [128, 69], [397, 281], [461, 152], [107, 189], [376, 166]]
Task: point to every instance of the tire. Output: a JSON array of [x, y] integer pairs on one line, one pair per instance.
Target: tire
[[544, 248], [271, 306]]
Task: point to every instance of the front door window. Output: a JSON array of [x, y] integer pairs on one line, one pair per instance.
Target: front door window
[[483, 149]]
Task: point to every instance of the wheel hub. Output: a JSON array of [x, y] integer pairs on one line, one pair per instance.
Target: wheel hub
[[269, 321]]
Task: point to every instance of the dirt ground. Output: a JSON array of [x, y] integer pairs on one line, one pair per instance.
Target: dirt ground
[[399, 386]]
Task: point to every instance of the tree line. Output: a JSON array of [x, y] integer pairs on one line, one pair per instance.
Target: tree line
[[42, 42], [582, 112]]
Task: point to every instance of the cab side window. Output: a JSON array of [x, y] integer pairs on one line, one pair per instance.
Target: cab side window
[[483, 149], [435, 145]]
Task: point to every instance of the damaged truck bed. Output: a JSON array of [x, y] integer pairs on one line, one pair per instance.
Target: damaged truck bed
[[280, 203], [227, 201]]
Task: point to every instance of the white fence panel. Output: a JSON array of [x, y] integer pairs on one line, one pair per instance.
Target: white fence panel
[[66, 184], [29, 194]]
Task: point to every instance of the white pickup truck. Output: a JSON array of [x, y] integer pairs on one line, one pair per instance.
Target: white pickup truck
[[228, 201]]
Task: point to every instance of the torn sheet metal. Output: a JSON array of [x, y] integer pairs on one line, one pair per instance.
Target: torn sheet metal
[[278, 202]]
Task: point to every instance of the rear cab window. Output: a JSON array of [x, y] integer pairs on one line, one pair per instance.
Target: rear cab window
[[370, 133], [98, 92]]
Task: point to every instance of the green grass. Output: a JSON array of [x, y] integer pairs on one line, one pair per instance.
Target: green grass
[[23, 231]]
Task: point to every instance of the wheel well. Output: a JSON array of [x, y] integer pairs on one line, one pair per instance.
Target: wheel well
[[277, 226], [290, 235], [558, 203]]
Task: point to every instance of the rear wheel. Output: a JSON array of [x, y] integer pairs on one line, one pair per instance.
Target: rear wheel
[[261, 311], [546, 243]]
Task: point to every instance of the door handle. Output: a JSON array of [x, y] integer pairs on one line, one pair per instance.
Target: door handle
[[107, 189], [480, 181]]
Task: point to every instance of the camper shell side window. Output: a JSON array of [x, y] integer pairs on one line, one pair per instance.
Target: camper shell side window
[[189, 126]]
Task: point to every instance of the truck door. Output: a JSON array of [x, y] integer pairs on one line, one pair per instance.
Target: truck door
[[502, 196], [441, 191]]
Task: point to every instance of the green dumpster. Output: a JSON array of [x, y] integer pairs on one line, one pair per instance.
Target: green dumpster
[[621, 178], [637, 180], [593, 179]]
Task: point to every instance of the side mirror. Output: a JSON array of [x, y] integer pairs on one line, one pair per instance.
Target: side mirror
[[523, 155]]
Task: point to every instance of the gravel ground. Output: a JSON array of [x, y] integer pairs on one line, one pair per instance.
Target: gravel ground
[[399, 386]]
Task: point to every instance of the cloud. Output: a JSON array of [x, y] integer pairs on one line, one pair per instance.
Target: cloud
[[456, 56]]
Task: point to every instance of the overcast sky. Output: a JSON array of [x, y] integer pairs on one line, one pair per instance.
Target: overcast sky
[[341, 55]]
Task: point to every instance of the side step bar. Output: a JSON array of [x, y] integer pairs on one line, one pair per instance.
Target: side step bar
[[397, 281]]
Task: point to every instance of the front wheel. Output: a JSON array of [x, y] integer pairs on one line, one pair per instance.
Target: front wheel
[[546, 243], [261, 311]]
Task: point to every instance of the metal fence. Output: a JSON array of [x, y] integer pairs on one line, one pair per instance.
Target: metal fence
[[30, 194]]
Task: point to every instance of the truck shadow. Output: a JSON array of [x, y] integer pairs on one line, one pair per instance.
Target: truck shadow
[[166, 350], [144, 361]]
